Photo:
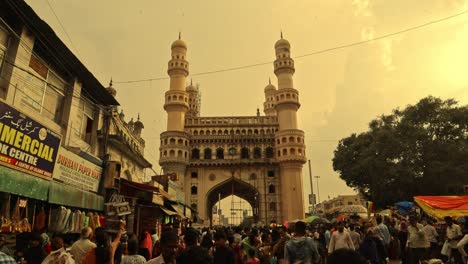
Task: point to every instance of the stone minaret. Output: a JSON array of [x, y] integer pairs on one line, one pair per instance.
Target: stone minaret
[[290, 148], [174, 141], [138, 127], [194, 100], [269, 104]]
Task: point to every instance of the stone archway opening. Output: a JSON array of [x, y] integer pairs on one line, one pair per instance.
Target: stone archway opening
[[233, 187], [234, 212]]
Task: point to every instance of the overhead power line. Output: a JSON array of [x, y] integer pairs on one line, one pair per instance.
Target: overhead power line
[[311, 53], [63, 28]]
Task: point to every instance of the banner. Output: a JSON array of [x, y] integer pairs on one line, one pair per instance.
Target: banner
[[74, 170], [25, 144]]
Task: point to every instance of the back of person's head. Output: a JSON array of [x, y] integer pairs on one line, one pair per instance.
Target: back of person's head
[[132, 245], [220, 234], [344, 255], [351, 227], [86, 233], [57, 243], [102, 245], [191, 236], [102, 238], [168, 237], [35, 237], [378, 219], [300, 228]]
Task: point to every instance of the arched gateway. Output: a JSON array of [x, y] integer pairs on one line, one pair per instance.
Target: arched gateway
[[258, 158], [235, 187]]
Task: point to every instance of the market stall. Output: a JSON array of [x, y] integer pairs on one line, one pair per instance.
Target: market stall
[[441, 206]]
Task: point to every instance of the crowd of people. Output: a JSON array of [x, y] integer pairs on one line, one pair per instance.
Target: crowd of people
[[382, 240]]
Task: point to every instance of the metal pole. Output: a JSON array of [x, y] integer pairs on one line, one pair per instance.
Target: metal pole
[[219, 205], [318, 190], [311, 186]]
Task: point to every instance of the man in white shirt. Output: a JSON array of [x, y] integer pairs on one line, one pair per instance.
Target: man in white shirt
[[453, 236], [81, 247], [431, 236], [416, 240], [340, 239], [169, 244], [355, 236]]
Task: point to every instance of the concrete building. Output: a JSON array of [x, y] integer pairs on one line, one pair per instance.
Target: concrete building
[[258, 158], [334, 205], [49, 100]]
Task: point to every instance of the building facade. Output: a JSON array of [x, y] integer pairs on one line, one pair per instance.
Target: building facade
[[258, 158], [334, 205]]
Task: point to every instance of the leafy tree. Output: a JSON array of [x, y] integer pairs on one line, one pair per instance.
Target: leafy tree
[[420, 150]]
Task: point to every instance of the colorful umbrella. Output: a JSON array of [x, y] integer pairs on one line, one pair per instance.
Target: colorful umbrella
[[341, 218], [320, 221], [311, 218]]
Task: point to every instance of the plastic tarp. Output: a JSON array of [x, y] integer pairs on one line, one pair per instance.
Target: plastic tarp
[[404, 207], [441, 206], [16, 182]]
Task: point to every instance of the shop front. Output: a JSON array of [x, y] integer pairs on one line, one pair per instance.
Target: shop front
[[40, 186]]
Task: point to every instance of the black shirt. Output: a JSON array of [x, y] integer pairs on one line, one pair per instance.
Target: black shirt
[[224, 255]]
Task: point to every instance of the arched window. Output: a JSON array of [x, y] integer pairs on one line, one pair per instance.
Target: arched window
[[207, 153], [180, 142], [172, 141], [285, 152], [195, 153], [292, 151], [269, 153], [194, 190], [272, 207], [171, 153], [271, 188], [202, 132], [219, 153], [194, 175], [257, 153], [244, 153], [195, 133], [179, 154]]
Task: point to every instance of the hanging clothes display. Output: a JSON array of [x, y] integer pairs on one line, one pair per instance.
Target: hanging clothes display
[[40, 220]]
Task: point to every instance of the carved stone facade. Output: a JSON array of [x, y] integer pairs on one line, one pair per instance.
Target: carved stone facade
[[258, 158]]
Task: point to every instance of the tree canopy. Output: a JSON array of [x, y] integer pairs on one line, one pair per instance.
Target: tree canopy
[[420, 150]]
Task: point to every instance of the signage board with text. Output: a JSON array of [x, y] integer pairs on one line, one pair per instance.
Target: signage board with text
[[76, 171], [25, 144]]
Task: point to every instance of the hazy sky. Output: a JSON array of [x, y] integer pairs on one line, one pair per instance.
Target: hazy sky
[[340, 91]]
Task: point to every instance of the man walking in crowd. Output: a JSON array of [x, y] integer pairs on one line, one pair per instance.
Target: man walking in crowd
[[222, 254], [81, 247], [431, 235], [169, 244], [193, 252], [381, 231], [355, 236], [340, 239], [416, 241], [453, 236], [301, 249]]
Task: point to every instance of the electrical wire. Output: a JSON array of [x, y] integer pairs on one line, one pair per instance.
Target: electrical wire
[[63, 28], [311, 53]]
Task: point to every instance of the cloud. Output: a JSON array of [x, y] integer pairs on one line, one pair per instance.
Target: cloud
[[362, 8], [386, 54]]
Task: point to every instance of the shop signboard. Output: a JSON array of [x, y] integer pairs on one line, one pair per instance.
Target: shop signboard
[[76, 171], [25, 144]]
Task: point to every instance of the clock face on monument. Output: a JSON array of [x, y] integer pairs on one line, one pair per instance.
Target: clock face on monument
[[232, 151]]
